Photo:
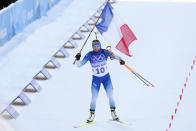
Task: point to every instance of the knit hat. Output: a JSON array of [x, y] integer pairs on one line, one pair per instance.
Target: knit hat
[[96, 42]]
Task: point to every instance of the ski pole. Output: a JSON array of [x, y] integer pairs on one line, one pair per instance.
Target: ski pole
[[145, 80], [135, 73]]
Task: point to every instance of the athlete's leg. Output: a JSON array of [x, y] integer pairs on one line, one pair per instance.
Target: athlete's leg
[[95, 91], [107, 83]]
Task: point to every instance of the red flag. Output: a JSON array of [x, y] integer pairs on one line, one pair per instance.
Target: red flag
[[127, 39]]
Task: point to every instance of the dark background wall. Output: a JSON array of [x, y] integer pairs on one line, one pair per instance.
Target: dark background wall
[[5, 3]]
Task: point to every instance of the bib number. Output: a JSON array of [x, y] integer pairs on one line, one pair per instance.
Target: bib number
[[100, 70]]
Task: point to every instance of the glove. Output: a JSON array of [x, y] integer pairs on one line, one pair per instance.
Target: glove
[[122, 62], [78, 56]]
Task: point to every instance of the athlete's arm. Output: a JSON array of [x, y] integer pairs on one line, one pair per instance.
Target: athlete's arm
[[85, 59], [112, 55]]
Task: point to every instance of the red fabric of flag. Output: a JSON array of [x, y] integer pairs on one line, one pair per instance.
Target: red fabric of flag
[[127, 39]]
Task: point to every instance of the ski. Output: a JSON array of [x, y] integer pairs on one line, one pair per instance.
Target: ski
[[83, 124], [121, 122]]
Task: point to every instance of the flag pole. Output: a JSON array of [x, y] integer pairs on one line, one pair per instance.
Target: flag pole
[[90, 33]]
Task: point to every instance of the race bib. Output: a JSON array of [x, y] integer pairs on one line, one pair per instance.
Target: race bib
[[99, 65], [100, 70]]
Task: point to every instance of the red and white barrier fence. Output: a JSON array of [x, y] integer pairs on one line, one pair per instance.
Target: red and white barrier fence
[[181, 95]]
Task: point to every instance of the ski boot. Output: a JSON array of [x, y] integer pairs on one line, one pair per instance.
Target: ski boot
[[114, 115], [91, 117]]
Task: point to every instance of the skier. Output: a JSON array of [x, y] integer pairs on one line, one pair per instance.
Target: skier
[[98, 59]]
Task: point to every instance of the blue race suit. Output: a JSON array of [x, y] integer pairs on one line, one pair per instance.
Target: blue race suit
[[98, 60]]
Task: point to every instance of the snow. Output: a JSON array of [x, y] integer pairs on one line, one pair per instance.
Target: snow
[[162, 54], [36, 47]]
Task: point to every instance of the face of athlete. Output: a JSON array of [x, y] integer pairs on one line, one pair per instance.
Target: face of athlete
[[96, 47]]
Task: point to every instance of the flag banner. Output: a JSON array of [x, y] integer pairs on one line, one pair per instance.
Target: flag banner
[[114, 30]]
